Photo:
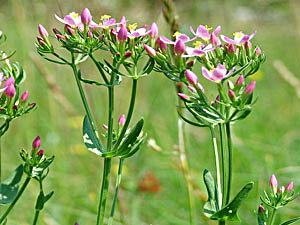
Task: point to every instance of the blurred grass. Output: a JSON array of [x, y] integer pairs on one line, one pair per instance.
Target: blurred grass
[[267, 142]]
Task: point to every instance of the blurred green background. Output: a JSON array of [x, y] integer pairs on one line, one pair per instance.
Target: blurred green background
[[153, 188]]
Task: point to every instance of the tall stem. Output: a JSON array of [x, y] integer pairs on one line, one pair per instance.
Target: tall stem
[[36, 217], [272, 217], [215, 146], [223, 160], [115, 199], [11, 206], [130, 111], [229, 144], [0, 160]]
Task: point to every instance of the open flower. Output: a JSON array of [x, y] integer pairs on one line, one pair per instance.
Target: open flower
[[239, 38], [217, 74], [199, 50], [203, 32]]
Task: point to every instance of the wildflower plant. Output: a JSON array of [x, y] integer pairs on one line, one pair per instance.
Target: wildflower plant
[[116, 48], [228, 64], [14, 104]]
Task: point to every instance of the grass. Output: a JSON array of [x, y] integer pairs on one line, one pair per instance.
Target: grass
[[265, 143]]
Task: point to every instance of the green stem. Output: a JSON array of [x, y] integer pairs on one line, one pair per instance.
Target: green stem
[[110, 117], [104, 191], [36, 217], [99, 68], [229, 144], [118, 182], [272, 217], [83, 97], [11, 206], [223, 160], [214, 142], [130, 111], [221, 222]]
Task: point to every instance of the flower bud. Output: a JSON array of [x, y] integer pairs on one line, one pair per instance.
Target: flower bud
[[151, 51], [86, 16], [122, 34], [290, 186], [257, 51], [40, 152], [60, 37], [15, 107], [153, 30], [10, 91], [250, 88], [32, 105], [105, 127], [230, 48], [192, 89], [248, 45], [127, 54], [215, 41], [24, 96], [240, 81], [10, 81], [122, 120], [41, 41], [161, 45], [56, 31], [90, 34], [179, 47], [69, 30], [261, 209], [43, 32], [190, 64], [191, 77], [183, 96], [231, 94], [36, 142], [273, 182]]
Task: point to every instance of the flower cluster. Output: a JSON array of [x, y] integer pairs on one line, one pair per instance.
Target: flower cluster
[[81, 35], [13, 103], [36, 163], [221, 58], [277, 197]]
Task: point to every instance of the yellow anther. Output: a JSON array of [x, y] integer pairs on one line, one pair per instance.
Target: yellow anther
[[74, 15], [208, 28], [176, 34], [132, 27], [197, 44], [105, 17], [238, 34]]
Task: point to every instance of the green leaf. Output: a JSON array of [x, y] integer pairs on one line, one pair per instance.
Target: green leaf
[[291, 221], [9, 188], [229, 212], [91, 138], [131, 138], [211, 206], [42, 199]]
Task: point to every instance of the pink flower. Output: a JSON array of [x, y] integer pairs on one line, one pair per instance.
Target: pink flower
[[290, 186], [36, 142], [273, 182], [239, 38], [150, 51], [191, 77], [86, 16], [43, 32], [250, 88], [200, 51], [10, 89], [179, 47], [161, 45], [153, 32], [24, 96], [203, 32], [122, 120], [122, 33], [216, 74]]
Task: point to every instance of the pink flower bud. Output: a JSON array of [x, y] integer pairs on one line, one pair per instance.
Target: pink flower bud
[[240, 81], [215, 41], [250, 88], [122, 34], [290, 186], [10, 91], [153, 30], [248, 45], [183, 96], [123, 20], [191, 77], [69, 30], [40, 152], [105, 127], [230, 48], [127, 54], [32, 105], [150, 51], [15, 107], [24, 96], [86, 16], [56, 31], [179, 47], [90, 34], [10, 81], [122, 120], [273, 182], [41, 41], [257, 51], [192, 89], [190, 64], [60, 37], [261, 209], [43, 32], [161, 45], [36, 142], [231, 94]]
